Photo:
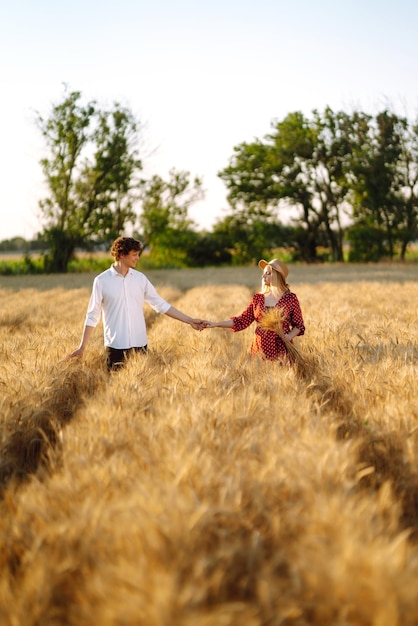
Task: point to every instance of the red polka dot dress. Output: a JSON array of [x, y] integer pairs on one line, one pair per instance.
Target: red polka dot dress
[[267, 343]]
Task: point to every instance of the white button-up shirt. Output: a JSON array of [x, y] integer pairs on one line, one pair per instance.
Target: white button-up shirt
[[120, 301]]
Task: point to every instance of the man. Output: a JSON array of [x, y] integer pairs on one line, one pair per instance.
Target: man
[[118, 294]]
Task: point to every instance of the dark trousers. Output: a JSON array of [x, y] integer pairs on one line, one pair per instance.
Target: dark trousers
[[115, 358]]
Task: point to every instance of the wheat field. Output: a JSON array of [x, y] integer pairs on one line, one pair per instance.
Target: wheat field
[[200, 486]]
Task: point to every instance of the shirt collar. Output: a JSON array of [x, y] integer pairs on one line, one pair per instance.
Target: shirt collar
[[114, 272]]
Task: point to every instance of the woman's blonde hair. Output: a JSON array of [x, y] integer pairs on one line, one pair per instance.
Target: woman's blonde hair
[[278, 284]]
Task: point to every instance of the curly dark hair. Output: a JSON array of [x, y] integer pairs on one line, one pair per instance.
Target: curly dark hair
[[123, 245]]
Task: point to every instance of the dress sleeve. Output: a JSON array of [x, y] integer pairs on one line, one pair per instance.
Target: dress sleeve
[[245, 319], [296, 318]]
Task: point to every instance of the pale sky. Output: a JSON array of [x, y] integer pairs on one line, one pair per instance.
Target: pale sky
[[202, 77]]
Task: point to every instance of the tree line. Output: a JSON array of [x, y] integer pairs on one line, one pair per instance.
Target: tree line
[[342, 177], [350, 176]]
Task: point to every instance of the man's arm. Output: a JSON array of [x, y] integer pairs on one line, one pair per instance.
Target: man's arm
[[196, 323], [87, 333]]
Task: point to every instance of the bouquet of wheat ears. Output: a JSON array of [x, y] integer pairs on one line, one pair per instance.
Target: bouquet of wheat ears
[[273, 320]]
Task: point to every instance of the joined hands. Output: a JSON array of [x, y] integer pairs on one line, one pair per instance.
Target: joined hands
[[201, 324]]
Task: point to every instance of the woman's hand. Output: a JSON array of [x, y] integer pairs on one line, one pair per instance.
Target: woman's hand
[[198, 324], [211, 325], [292, 334]]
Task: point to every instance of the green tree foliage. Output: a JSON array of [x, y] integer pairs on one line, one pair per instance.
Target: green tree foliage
[[245, 238], [164, 218], [374, 168], [328, 169], [16, 244], [260, 176], [207, 249], [302, 163], [367, 243], [90, 173], [385, 188], [331, 168], [406, 186]]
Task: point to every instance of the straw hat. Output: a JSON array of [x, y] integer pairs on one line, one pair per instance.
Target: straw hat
[[279, 266]]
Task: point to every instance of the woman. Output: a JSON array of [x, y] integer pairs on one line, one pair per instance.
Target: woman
[[275, 293]]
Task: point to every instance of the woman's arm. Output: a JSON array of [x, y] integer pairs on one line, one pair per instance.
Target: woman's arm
[[223, 324], [296, 320], [239, 322], [292, 334], [296, 317]]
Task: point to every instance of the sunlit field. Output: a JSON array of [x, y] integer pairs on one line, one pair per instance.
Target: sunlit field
[[200, 486]]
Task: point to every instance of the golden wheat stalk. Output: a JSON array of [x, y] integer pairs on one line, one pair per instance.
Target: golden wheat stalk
[[273, 320]]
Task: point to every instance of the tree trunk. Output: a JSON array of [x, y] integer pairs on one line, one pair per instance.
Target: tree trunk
[[61, 252]]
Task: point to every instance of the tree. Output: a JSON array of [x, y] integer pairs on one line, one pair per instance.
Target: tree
[[91, 175], [374, 167], [248, 237], [330, 174], [258, 178], [406, 188], [164, 219], [207, 248], [302, 163]]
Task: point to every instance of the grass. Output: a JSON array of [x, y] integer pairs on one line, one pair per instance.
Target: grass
[[200, 486]]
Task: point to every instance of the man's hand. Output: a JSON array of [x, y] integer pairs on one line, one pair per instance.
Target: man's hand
[[76, 353], [198, 324]]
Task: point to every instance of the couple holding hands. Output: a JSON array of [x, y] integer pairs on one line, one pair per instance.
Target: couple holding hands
[[119, 293]]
